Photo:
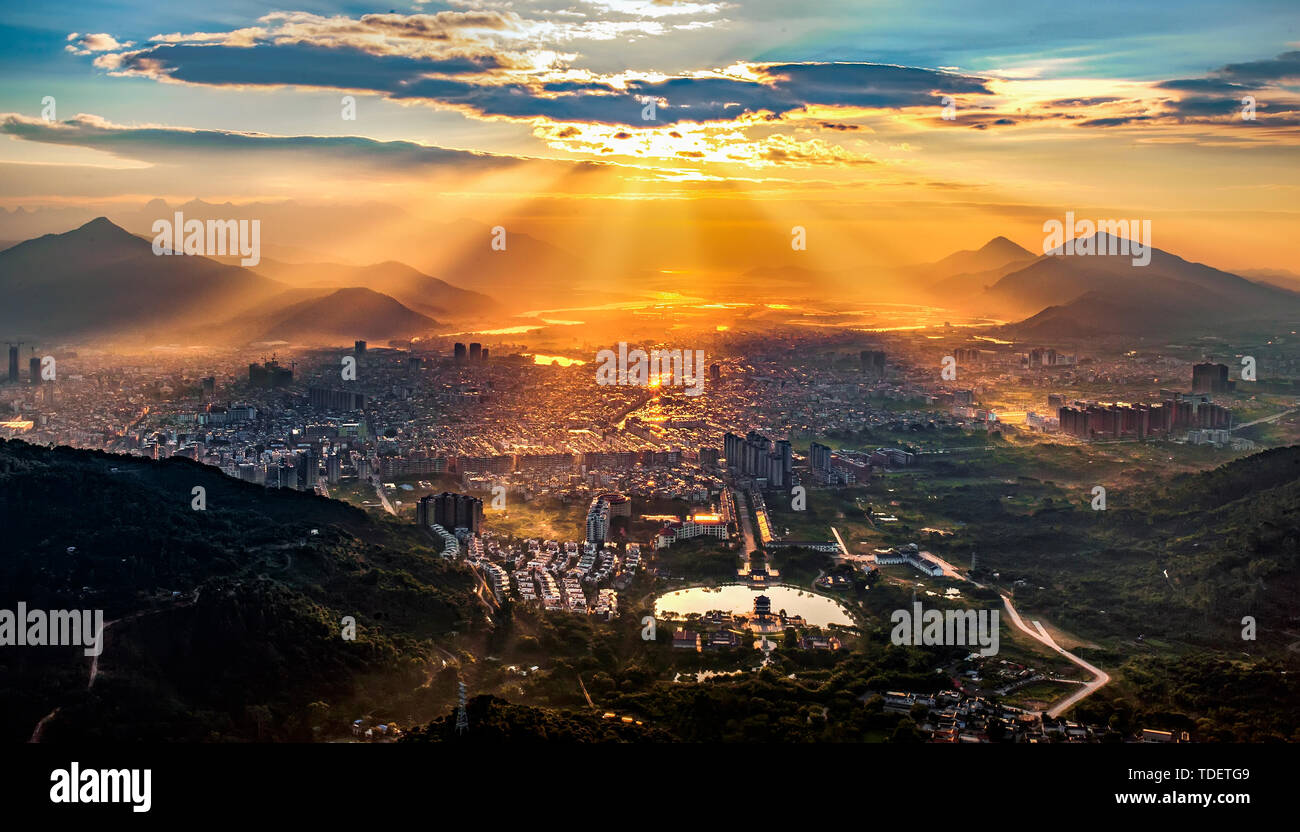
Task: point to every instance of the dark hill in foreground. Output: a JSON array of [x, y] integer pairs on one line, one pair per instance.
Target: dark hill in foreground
[[253, 637]]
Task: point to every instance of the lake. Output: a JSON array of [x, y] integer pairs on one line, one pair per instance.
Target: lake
[[817, 610]]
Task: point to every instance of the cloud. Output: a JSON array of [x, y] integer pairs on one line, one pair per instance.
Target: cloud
[[1219, 98], [1283, 68], [494, 83], [79, 44], [503, 64], [182, 146]]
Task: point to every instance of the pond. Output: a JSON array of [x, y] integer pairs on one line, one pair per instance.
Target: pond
[[817, 610]]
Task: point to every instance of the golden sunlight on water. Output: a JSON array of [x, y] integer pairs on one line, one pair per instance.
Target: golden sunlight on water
[[563, 361]]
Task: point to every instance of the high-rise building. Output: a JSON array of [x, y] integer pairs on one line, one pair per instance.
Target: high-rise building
[[873, 362], [715, 372], [459, 352], [269, 374], [325, 399], [1210, 378], [820, 457], [359, 348], [13, 364], [209, 387], [475, 352], [1186, 411], [286, 476], [34, 369], [598, 521], [333, 468], [782, 464], [485, 355], [451, 511], [308, 469], [754, 456], [1042, 357]]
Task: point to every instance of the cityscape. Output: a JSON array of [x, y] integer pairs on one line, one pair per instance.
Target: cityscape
[[648, 373]]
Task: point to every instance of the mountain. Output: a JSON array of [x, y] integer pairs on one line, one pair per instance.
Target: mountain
[[527, 274], [1109, 294], [995, 254], [339, 316], [99, 280], [1100, 313], [951, 281], [1274, 277], [411, 287], [251, 648]]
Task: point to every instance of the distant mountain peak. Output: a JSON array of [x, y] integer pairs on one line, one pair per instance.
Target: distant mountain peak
[[1002, 245], [101, 229]]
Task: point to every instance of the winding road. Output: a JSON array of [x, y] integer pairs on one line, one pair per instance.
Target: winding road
[[1100, 677], [94, 661]]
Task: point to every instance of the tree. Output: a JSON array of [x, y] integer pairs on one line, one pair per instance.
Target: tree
[[318, 714], [905, 731], [261, 716]]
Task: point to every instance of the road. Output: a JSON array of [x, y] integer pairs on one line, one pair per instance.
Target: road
[[1037, 633], [583, 685], [1100, 677], [844, 550], [40, 726], [383, 498], [949, 570], [746, 524], [94, 661], [1272, 418]]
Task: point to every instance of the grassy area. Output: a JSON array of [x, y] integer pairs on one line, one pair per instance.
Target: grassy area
[[544, 518], [1039, 695], [845, 509]]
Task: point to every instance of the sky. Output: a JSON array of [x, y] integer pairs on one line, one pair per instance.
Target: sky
[[891, 131]]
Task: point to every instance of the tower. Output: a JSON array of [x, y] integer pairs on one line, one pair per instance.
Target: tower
[[462, 718]]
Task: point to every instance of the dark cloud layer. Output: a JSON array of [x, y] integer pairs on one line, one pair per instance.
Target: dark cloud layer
[[470, 81], [179, 146]]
